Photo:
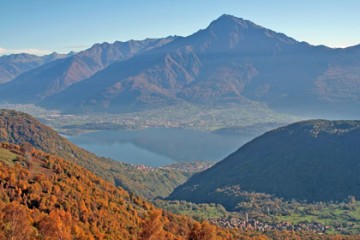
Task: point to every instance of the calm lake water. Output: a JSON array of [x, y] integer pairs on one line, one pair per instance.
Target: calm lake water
[[159, 147]]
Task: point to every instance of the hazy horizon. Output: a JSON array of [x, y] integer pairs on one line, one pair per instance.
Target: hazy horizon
[[41, 27]]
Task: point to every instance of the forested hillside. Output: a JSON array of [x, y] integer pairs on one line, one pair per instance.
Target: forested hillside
[[45, 197], [17, 127], [312, 161]]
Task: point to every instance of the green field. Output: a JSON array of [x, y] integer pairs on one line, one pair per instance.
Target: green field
[[342, 217], [7, 156], [196, 211]]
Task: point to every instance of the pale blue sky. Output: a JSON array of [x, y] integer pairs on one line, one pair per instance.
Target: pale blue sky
[[41, 26]]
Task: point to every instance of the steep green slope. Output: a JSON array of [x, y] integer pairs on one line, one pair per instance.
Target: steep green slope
[[314, 160], [17, 127]]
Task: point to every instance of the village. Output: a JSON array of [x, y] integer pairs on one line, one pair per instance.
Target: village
[[233, 222]]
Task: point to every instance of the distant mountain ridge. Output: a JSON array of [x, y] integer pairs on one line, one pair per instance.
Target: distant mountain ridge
[[231, 62], [315, 160], [15, 64], [208, 67], [56, 76]]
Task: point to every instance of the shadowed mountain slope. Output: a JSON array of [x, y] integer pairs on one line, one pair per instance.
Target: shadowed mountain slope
[[314, 160]]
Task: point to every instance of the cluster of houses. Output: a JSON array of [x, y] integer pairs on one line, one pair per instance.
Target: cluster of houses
[[233, 222]]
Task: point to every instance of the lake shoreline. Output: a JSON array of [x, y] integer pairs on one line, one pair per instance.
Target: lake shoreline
[[157, 147]]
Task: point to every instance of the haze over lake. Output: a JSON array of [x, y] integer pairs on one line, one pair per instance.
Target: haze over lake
[[159, 146]]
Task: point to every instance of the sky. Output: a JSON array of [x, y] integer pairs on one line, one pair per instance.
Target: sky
[[44, 26]]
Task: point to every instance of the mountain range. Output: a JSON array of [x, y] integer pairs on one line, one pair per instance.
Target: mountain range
[[13, 65], [231, 62], [49, 79], [314, 160]]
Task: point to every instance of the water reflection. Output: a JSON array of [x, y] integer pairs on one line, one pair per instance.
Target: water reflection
[[160, 146]]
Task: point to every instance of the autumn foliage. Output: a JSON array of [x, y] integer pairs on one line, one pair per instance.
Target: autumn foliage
[[45, 197]]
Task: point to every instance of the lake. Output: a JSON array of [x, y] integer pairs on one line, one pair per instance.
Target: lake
[[160, 146]]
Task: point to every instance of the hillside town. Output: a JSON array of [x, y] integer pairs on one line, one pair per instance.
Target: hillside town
[[262, 226], [233, 222]]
